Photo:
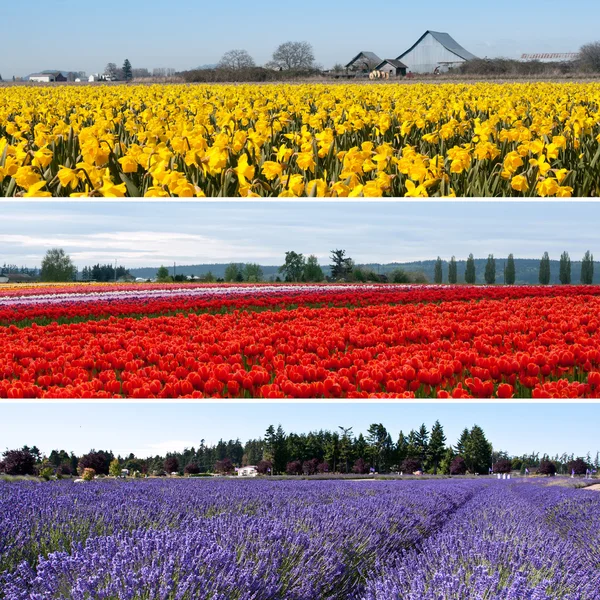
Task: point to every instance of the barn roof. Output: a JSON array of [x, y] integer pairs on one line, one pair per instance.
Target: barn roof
[[445, 40], [370, 56], [392, 61]]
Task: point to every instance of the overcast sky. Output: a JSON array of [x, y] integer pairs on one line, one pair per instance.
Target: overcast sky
[[183, 34], [150, 429], [142, 234]]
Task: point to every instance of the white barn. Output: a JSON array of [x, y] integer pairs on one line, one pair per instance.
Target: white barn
[[434, 50], [248, 471], [43, 77]]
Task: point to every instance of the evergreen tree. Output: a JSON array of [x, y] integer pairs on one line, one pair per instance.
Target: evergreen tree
[[509, 271], [401, 448], [587, 268], [345, 447], [565, 268], [490, 270], [422, 443], [452, 271], [342, 265], [470, 275], [437, 447], [377, 439], [478, 451], [462, 442], [437, 277], [127, 70], [544, 276]]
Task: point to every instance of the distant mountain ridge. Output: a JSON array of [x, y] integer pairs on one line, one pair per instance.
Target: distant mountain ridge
[[526, 270]]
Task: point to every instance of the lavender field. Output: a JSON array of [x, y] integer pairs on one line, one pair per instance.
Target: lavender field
[[222, 540]]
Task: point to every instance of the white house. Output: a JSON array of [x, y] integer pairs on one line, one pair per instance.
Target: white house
[[248, 471], [433, 51], [4, 279]]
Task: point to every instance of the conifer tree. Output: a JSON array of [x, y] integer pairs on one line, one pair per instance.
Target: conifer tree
[[509, 271], [544, 276], [452, 271], [437, 276], [490, 270], [470, 275], [565, 268]]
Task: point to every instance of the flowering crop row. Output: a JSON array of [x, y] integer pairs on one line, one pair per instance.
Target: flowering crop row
[[303, 540], [295, 140], [531, 345], [84, 301]]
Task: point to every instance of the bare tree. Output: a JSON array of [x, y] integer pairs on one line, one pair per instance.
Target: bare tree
[[141, 73], [589, 54], [111, 71], [294, 56], [236, 59]]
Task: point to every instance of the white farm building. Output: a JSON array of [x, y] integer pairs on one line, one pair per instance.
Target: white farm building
[[434, 51], [249, 471]]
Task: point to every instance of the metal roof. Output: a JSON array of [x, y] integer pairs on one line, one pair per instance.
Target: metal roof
[[370, 56], [447, 41], [392, 61]]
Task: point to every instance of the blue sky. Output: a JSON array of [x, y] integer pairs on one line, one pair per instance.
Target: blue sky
[[75, 35], [142, 234], [149, 429]]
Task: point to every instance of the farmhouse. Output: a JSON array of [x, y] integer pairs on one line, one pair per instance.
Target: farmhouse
[[392, 66], [434, 51], [248, 471], [16, 278], [363, 62], [49, 77]]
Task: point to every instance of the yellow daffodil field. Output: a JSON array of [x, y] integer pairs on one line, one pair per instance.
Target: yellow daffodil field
[[289, 140]]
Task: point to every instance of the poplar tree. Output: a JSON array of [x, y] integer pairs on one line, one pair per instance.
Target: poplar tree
[[509, 271], [470, 276], [437, 276], [565, 268], [544, 276], [452, 271], [587, 268], [490, 270]]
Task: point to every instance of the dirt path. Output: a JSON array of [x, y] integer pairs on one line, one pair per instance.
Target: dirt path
[[595, 487]]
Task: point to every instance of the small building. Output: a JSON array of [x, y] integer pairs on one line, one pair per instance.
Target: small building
[[4, 279], [363, 62], [434, 52], [124, 472], [17, 278], [551, 56], [393, 67], [247, 471], [48, 77]]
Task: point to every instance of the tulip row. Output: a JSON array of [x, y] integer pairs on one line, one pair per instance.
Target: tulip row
[[530, 345]]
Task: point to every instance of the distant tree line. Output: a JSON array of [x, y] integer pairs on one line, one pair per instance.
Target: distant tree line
[[104, 273], [322, 451], [289, 60], [587, 61]]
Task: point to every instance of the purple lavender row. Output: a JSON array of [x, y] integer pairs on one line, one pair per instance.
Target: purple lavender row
[[300, 540]]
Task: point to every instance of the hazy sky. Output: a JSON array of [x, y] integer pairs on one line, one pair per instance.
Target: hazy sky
[[142, 234], [150, 429], [84, 36]]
